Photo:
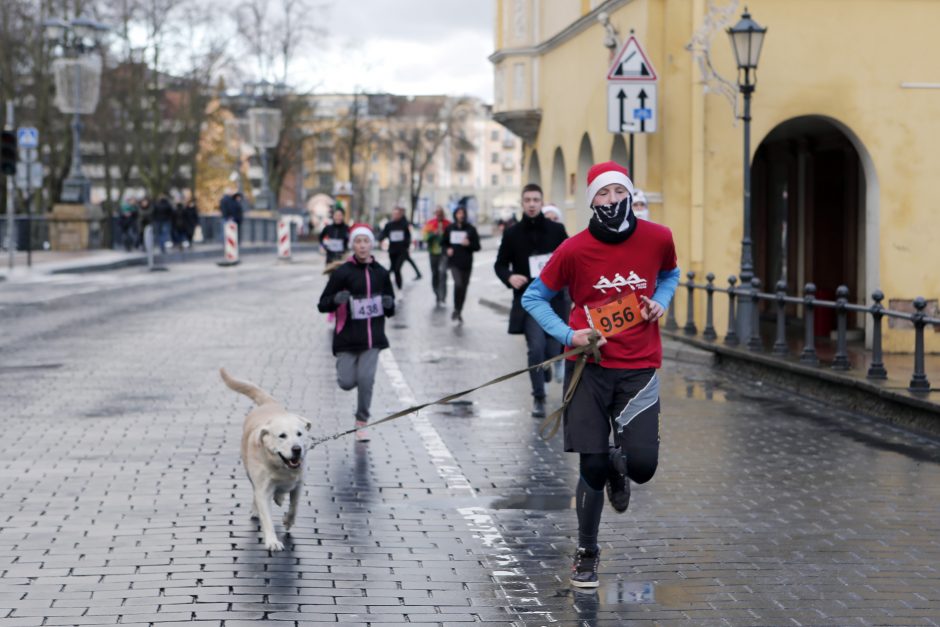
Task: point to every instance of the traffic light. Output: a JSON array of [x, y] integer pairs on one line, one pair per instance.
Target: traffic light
[[8, 153]]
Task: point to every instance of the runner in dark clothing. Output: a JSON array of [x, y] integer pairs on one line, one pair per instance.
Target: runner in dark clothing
[[398, 233], [335, 237], [360, 295], [525, 248], [460, 241]]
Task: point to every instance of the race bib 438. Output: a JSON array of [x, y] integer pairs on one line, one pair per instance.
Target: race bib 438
[[364, 308], [616, 316]]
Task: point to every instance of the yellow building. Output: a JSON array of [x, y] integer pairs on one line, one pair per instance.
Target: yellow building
[[844, 136]]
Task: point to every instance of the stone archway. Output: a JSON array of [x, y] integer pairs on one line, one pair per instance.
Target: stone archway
[[559, 182], [618, 152], [535, 170], [585, 161], [815, 211]]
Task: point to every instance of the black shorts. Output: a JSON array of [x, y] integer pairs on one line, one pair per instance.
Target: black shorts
[[601, 397]]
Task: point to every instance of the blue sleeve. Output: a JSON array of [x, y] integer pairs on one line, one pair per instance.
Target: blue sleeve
[[537, 301], [666, 283]]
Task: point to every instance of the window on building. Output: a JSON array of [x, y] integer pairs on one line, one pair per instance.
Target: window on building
[[324, 155], [325, 182], [494, 135], [494, 180], [494, 158], [430, 178], [509, 178]]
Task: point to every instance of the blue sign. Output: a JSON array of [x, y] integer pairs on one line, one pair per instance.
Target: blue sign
[[642, 114], [27, 137]]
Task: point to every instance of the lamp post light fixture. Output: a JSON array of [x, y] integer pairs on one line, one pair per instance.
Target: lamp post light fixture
[[77, 80], [264, 129], [747, 38]]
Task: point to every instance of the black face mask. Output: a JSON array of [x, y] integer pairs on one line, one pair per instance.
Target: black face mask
[[614, 216]]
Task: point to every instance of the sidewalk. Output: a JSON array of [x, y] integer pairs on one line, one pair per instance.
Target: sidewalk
[[99, 260]]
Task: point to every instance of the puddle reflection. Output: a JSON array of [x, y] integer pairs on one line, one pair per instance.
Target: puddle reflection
[[627, 592], [705, 391]]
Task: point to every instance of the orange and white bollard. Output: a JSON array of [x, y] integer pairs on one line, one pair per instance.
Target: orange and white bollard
[[231, 242], [283, 240]]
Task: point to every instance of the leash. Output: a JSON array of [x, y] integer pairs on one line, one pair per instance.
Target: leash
[[551, 422]]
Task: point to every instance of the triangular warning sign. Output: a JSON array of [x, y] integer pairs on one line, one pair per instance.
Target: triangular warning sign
[[631, 64]]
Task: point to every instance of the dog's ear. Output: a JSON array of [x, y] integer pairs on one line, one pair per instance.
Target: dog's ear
[[261, 435]]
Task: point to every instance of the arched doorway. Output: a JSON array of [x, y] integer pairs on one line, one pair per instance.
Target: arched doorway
[[585, 161], [618, 152], [535, 170], [558, 180], [814, 203]]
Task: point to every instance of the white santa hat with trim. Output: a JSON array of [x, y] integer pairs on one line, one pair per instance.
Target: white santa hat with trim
[[547, 209], [607, 173], [361, 229]]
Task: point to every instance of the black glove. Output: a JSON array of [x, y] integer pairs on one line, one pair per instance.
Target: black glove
[[387, 301], [341, 297]]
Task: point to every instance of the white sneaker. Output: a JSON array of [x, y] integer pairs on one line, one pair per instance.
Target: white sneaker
[[362, 435]]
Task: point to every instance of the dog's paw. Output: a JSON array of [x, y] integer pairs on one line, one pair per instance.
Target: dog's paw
[[274, 545], [288, 521], [279, 498]]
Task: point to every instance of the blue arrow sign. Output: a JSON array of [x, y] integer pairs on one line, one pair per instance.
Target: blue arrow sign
[[27, 137]]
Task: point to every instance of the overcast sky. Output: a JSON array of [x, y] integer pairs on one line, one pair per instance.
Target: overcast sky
[[407, 47]]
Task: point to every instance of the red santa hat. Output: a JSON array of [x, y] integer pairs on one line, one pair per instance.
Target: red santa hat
[[361, 229], [603, 174]]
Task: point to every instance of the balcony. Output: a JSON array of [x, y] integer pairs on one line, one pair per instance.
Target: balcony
[[523, 123]]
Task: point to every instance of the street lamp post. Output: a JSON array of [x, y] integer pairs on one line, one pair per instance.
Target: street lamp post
[[747, 38], [77, 79], [265, 129]]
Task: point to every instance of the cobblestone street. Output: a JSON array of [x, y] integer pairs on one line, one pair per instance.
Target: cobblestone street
[[124, 500]]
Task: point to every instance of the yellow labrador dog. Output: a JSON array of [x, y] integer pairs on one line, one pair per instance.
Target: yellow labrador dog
[[273, 447]]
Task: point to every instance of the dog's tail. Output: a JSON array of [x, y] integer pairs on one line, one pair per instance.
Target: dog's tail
[[250, 390]]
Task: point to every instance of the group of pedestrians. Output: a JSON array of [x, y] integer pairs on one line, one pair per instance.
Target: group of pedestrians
[[173, 223], [607, 285]]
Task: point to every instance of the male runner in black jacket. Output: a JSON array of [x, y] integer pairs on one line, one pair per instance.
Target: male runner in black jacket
[[524, 250]]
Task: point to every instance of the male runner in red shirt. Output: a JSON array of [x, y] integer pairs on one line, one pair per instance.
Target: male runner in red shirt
[[621, 274]]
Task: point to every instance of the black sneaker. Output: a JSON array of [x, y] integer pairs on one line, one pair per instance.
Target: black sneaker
[[618, 486], [538, 408], [584, 569]]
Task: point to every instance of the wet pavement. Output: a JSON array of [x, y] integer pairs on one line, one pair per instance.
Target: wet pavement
[[124, 500]]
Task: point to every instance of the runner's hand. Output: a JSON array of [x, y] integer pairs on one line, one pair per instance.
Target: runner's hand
[[518, 281], [582, 337], [651, 310], [342, 297], [450, 252], [387, 301]]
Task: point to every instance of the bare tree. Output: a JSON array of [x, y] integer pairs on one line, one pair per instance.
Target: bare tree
[[422, 129]]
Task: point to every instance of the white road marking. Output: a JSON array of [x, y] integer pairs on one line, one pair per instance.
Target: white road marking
[[480, 522]]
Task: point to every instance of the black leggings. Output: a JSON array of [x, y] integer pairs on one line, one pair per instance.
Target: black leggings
[[461, 282], [398, 260], [594, 467]]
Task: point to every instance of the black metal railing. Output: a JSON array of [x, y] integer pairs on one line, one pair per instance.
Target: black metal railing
[[809, 304]]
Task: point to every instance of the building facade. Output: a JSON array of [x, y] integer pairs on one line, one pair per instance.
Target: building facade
[[372, 147], [842, 138]]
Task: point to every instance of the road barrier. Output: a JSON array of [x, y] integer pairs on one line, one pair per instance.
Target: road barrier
[[231, 242], [283, 240]]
